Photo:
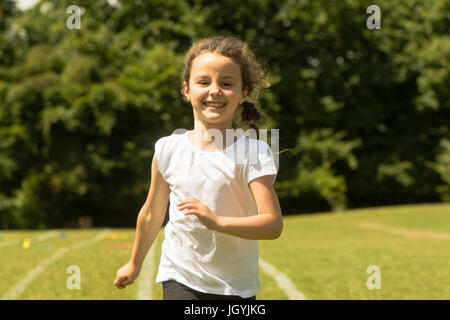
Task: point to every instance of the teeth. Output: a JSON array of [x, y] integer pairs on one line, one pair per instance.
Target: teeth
[[215, 104]]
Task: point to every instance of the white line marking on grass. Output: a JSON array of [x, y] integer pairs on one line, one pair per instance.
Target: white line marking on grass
[[406, 232], [40, 238], [282, 280], [8, 243], [46, 235], [146, 275], [21, 285]]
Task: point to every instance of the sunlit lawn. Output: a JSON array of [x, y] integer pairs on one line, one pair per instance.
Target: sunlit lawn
[[325, 255]]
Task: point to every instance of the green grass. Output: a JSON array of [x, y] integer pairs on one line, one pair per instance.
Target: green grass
[[325, 255]]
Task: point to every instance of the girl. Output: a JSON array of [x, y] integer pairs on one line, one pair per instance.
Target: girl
[[219, 207]]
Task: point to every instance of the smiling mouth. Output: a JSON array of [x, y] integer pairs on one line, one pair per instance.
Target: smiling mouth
[[214, 106]]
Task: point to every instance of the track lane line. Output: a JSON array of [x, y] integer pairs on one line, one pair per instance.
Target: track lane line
[[144, 284], [44, 236], [282, 281], [33, 274]]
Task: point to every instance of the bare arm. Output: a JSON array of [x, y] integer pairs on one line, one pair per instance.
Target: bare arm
[[149, 222], [151, 216], [267, 224]]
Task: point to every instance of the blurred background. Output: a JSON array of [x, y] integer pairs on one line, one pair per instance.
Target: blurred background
[[363, 114]]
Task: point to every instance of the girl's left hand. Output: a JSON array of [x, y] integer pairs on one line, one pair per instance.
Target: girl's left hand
[[197, 208]]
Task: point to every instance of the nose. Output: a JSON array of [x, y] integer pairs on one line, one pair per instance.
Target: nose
[[215, 89]]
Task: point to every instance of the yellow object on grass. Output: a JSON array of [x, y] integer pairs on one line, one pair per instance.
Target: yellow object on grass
[[26, 244]]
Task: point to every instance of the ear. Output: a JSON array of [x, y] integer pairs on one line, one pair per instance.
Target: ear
[[186, 91]]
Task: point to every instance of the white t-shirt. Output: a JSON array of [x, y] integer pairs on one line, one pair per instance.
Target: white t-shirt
[[202, 259]]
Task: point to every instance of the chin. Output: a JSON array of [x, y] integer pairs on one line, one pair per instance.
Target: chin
[[218, 119]]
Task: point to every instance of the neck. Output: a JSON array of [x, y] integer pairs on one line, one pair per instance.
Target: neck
[[206, 136]]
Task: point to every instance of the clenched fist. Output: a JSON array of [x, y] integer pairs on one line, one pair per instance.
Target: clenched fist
[[126, 275]]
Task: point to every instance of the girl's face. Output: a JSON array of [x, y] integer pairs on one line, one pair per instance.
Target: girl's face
[[215, 88]]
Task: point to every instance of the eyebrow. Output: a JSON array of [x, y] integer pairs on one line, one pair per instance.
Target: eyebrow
[[224, 77]]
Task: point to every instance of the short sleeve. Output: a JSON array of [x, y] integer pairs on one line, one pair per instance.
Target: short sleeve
[[261, 162], [159, 150]]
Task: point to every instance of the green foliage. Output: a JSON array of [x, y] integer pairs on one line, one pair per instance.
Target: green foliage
[[363, 113], [442, 166]]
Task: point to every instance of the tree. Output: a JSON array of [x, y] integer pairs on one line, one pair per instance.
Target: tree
[[362, 113]]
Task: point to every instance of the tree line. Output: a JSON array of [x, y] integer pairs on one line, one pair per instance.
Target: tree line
[[363, 114]]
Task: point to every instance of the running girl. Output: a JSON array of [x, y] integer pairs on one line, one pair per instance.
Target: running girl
[[219, 207]]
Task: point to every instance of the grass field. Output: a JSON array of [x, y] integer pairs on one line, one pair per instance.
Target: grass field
[[326, 256]]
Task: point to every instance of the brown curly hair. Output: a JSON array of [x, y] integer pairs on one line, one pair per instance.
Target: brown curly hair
[[252, 71]]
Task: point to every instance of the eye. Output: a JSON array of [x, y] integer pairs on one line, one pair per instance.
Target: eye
[[227, 84], [202, 82]]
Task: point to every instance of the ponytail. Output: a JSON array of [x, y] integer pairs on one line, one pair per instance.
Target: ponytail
[[250, 115]]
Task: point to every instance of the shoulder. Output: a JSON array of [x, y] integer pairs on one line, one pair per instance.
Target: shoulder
[[170, 140], [259, 147], [165, 149], [166, 146]]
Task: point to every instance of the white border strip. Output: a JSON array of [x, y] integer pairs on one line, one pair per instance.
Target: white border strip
[[282, 280]]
